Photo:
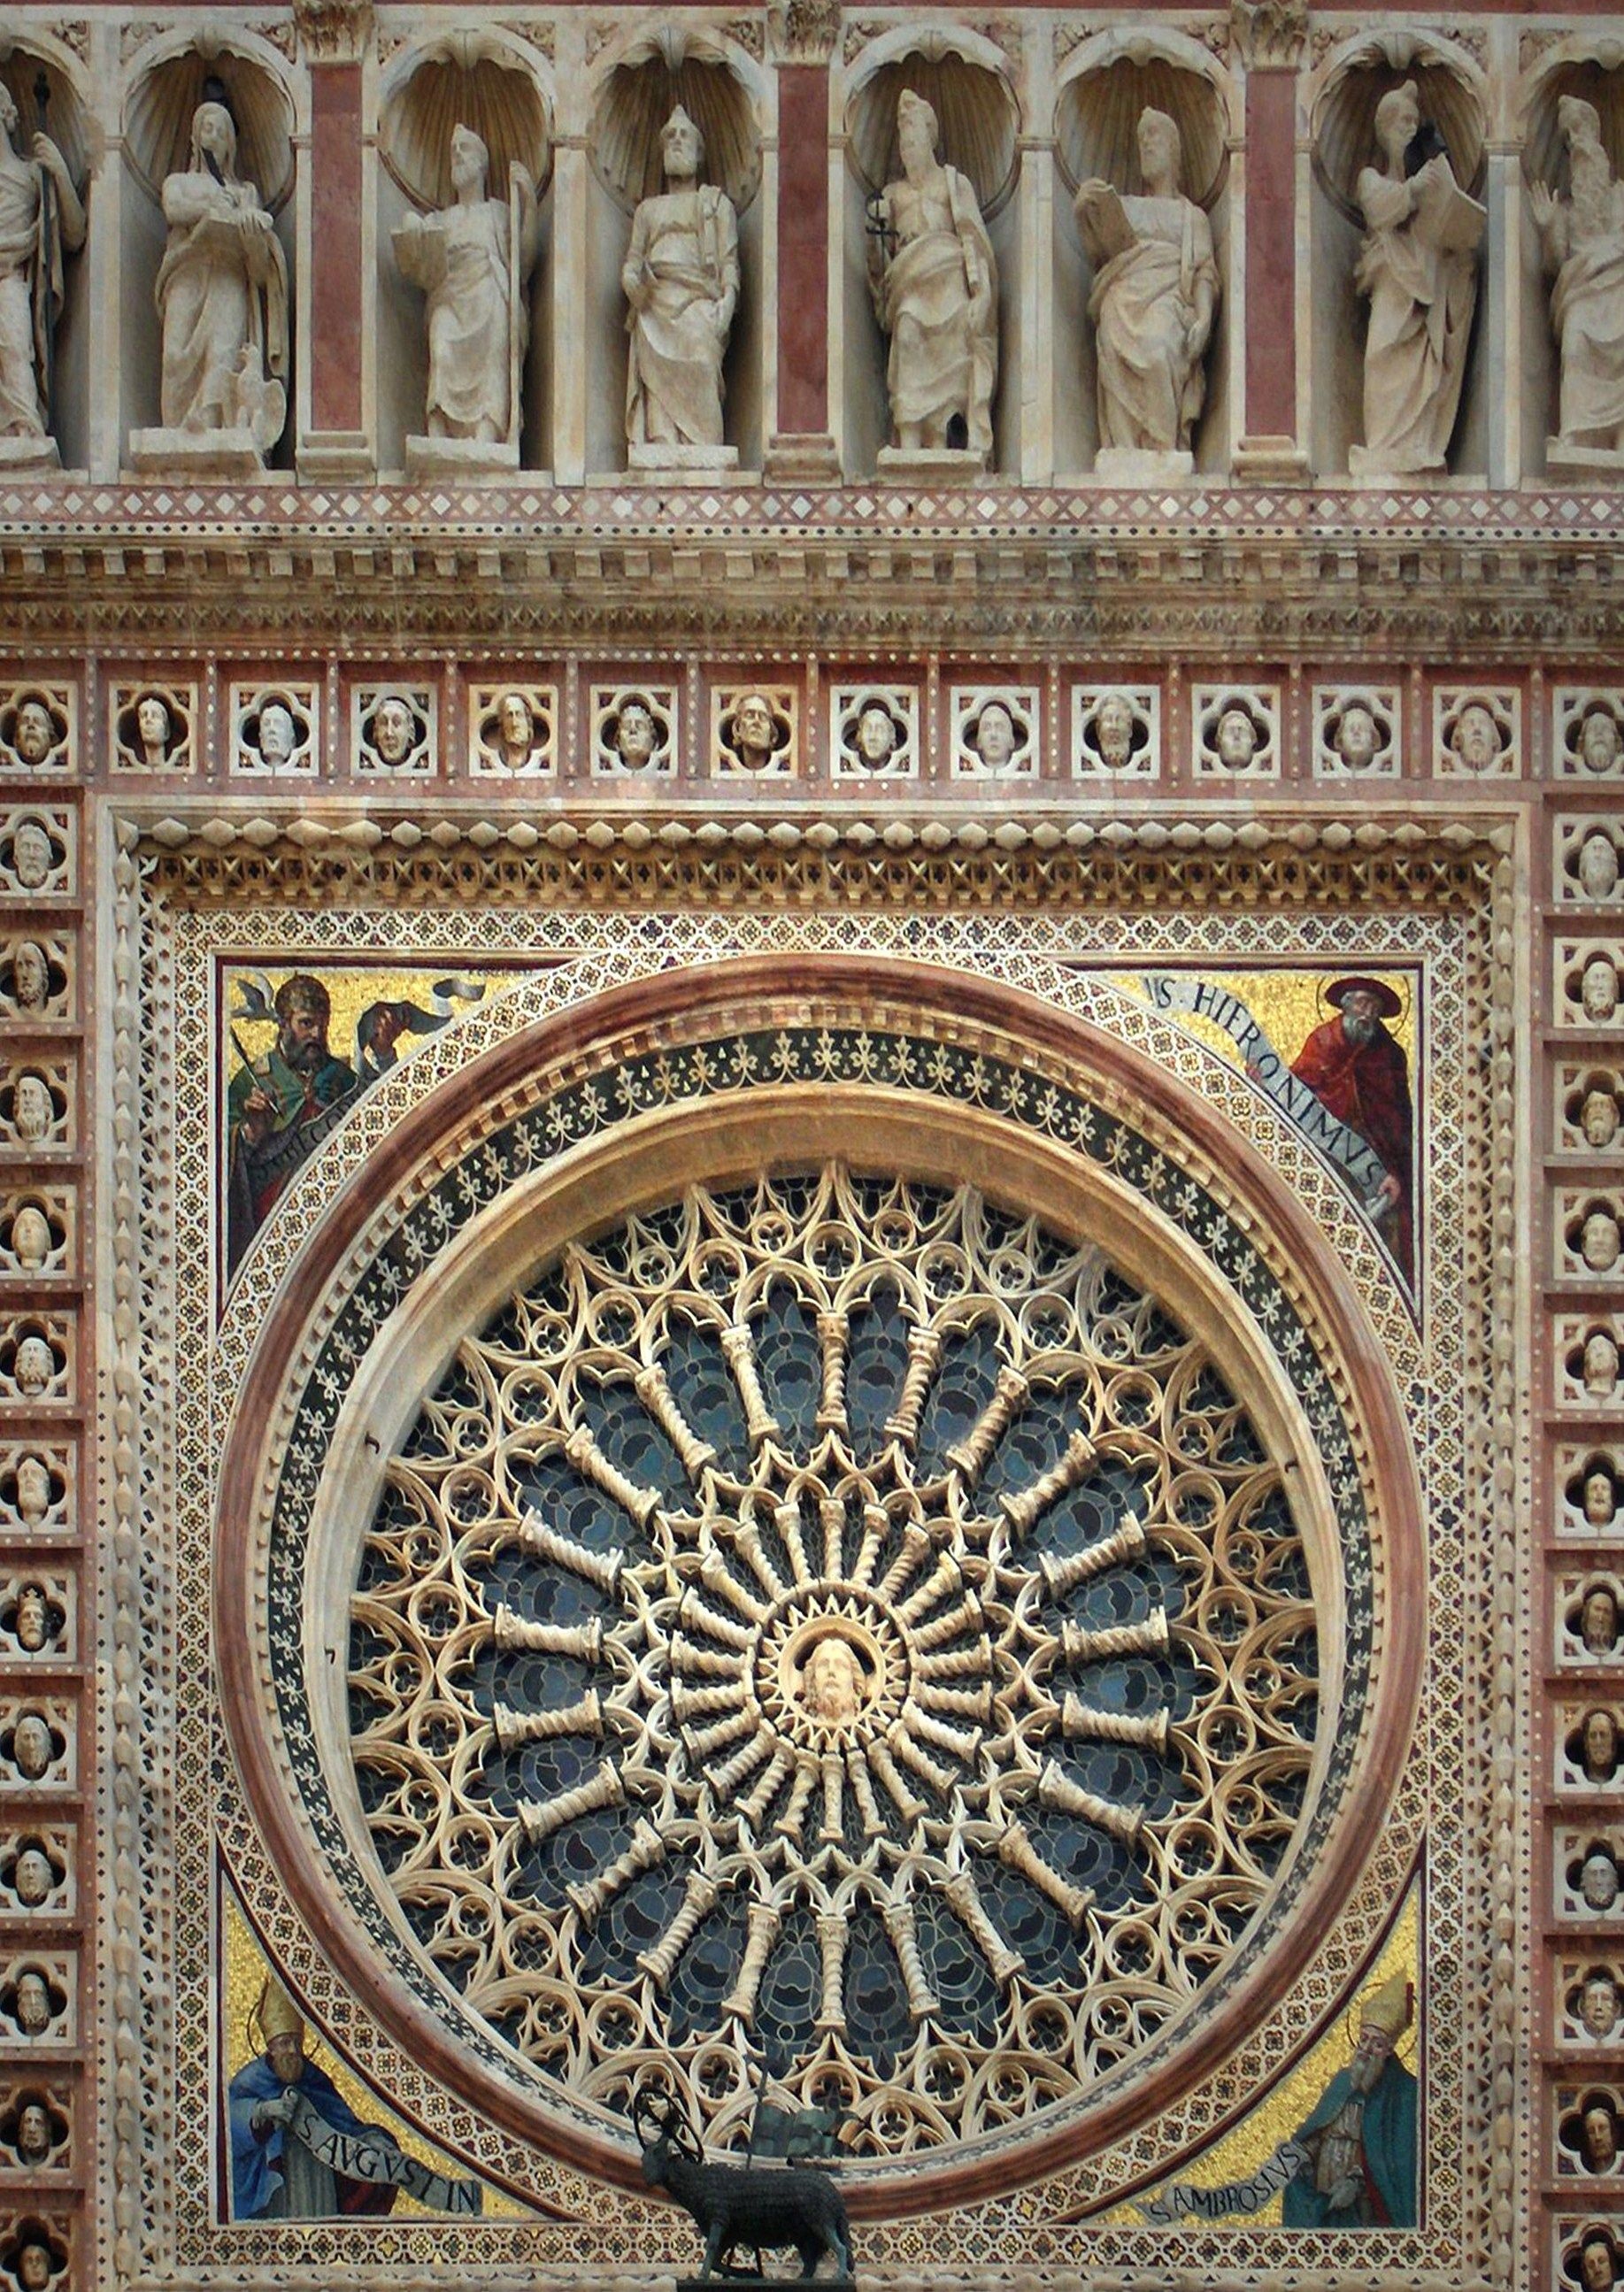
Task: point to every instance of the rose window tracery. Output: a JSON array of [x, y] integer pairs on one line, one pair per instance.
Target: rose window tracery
[[836, 1625]]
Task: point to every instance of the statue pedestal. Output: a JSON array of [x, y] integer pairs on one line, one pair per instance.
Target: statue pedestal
[[1369, 469], [1270, 461], [29, 456], [681, 461], [462, 457], [1584, 462], [801, 457], [931, 465], [336, 457], [1143, 465], [194, 454]]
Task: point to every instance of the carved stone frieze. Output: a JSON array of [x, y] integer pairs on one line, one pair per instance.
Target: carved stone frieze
[[333, 31], [804, 31], [1269, 33]]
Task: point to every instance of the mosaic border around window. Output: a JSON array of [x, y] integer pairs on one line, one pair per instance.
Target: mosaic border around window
[[159, 2219]]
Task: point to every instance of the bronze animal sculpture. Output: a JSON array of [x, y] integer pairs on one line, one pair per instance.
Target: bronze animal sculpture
[[733, 2205]]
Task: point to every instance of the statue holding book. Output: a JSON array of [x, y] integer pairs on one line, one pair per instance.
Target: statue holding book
[[1154, 296], [1419, 266]]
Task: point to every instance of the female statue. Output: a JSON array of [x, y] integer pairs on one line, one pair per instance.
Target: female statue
[[222, 294], [462, 259], [934, 282], [681, 278], [1419, 266], [1155, 291]]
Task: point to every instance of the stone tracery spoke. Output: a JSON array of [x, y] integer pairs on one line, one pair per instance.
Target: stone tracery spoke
[[834, 1534]]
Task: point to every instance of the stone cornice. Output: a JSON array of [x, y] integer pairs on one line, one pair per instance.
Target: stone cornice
[[1201, 590]]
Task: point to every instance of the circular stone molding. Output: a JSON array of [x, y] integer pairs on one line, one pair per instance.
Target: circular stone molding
[[847, 1548]]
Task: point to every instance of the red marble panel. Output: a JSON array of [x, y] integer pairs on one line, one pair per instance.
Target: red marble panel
[[336, 245], [803, 249], [1271, 255]]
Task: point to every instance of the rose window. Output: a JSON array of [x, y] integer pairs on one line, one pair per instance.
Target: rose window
[[840, 1630]]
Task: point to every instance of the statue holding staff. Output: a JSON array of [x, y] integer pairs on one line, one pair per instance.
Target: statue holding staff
[[935, 281], [464, 258], [681, 283]]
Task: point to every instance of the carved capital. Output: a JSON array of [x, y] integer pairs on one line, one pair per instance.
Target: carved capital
[[333, 31], [804, 31], [1269, 33]]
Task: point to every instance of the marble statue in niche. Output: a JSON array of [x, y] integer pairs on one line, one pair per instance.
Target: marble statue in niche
[[935, 281], [681, 282], [223, 302], [1581, 240], [474, 261], [1418, 267], [1153, 302], [42, 217]]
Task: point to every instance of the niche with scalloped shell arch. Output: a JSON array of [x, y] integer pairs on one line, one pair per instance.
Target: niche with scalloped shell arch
[[1545, 156], [1096, 122], [653, 76], [1590, 67], [1343, 123], [159, 116], [64, 118], [977, 115], [77, 135], [1343, 129], [464, 80]]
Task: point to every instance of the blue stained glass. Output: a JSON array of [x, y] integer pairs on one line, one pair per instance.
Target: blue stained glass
[[706, 1971], [702, 1386], [633, 1920], [789, 1993], [962, 1387], [877, 1362], [632, 1442], [789, 1359], [875, 1996]]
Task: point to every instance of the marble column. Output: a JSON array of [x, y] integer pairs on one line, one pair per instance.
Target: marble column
[[1270, 36], [800, 444], [336, 279]]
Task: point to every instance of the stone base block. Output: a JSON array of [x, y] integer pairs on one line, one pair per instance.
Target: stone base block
[[337, 457], [1362, 462], [681, 461], [1142, 465], [194, 454], [796, 457], [1562, 460], [462, 457], [29, 456], [932, 465], [1270, 462]]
